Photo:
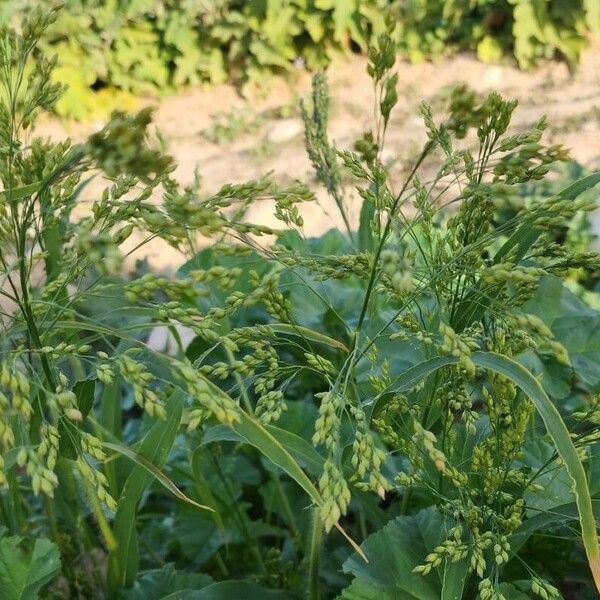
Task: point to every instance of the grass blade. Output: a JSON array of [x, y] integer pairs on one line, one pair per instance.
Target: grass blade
[[478, 299], [309, 334], [155, 472], [20, 192], [559, 433], [255, 434], [259, 437], [155, 448], [303, 452]]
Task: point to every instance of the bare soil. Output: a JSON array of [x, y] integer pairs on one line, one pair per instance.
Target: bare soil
[[571, 102]]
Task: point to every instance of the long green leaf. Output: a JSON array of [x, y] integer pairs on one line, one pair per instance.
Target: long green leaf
[[20, 192], [155, 472], [409, 379], [309, 334], [559, 433], [110, 420], [558, 516], [203, 488], [303, 452], [84, 390], [255, 434], [526, 234], [366, 242], [259, 437], [155, 448], [555, 427]]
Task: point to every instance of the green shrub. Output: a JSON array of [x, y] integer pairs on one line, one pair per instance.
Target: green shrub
[[126, 48], [531, 29]]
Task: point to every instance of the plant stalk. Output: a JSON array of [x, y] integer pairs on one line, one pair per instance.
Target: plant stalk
[[313, 559]]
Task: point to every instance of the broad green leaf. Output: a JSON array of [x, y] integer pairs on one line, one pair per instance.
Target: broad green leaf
[[574, 324], [510, 591], [538, 456], [232, 590], [160, 583], [155, 448], [360, 589], [393, 553], [24, 570], [555, 427], [556, 378]]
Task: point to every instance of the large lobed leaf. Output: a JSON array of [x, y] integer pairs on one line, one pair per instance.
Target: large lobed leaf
[[168, 584], [394, 552], [574, 324], [25, 570]]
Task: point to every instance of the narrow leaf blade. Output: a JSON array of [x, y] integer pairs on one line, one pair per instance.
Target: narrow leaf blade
[[155, 472]]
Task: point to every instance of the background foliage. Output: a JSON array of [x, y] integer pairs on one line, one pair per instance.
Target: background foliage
[[111, 49]]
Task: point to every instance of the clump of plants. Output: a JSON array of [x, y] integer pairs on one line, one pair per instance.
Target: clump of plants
[[111, 56], [67, 341], [404, 409]]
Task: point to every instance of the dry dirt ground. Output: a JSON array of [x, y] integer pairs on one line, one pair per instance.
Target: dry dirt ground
[[232, 140]]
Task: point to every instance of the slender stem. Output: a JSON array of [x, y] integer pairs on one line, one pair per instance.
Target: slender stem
[[386, 231], [105, 530], [286, 507], [239, 382], [406, 501], [362, 521], [52, 523], [313, 560]]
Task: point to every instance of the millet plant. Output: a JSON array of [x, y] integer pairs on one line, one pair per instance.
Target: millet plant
[[425, 406], [57, 270], [442, 435]]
